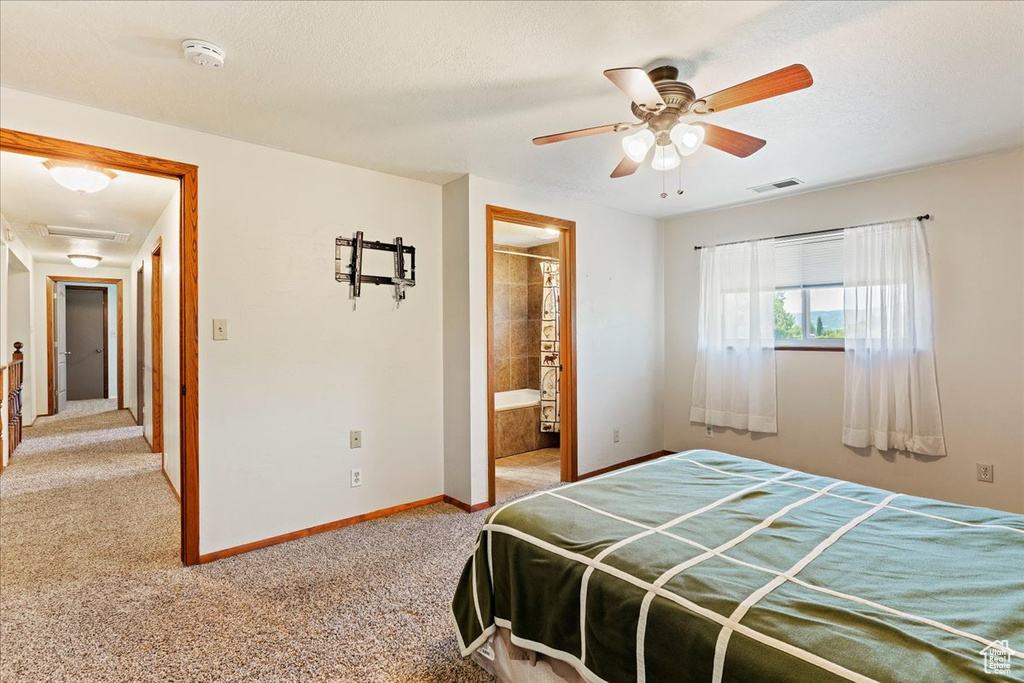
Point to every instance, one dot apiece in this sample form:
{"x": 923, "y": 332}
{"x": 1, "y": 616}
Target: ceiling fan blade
{"x": 793, "y": 77}
{"x": 638, "y": 87}
{"x": 582, "y": 132}
{"x": 626, "y": 167}
{"x": 731, "y": 141}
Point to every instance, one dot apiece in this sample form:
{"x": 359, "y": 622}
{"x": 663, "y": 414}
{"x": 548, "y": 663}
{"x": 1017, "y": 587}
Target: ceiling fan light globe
{"x": 638, "y": 144}
{"x": 687, "y": 138}
{"x": 665, "y": 158}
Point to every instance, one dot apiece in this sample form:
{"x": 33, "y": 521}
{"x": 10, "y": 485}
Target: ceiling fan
{"x": 660, "y": 101}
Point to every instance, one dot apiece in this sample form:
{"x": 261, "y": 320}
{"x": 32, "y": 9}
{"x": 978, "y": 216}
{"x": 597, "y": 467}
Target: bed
{"x": 703, "y": 566}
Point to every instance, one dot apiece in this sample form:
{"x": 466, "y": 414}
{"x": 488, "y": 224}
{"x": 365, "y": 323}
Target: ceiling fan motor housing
{"x": 678, "y": 96}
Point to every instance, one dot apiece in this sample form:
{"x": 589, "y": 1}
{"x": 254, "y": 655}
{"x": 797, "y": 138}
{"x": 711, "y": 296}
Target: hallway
{"x": 83, "y": 504}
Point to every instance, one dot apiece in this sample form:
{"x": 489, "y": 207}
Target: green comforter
{"x": 704, "y": 566}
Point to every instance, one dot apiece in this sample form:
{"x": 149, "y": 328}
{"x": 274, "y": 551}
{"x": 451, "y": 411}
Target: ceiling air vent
{"x": 777, "y": 185}
{"x": 80, "y": 233}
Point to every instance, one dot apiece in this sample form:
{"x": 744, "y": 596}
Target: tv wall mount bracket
{"x": 352, "y": 270}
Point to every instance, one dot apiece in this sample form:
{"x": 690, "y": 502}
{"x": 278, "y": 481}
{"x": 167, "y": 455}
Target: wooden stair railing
{"x": 15, "y": 372}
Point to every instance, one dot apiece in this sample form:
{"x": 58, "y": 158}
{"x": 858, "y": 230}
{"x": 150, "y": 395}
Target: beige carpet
{"x": 91, "y": 588}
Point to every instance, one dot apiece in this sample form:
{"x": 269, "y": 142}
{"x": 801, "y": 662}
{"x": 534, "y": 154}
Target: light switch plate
{"x": 220, "y": 329}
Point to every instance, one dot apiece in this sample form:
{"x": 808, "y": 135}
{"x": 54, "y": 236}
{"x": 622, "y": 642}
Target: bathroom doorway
{"x": 531, "y": 360}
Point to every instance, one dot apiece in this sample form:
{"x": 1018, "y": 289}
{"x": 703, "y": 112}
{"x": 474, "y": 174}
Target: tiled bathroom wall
{"x": 517, "y": 303}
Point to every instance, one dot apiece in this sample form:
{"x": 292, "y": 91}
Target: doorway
{"x": 85, "y": 339}
{"x": 66, "y": 348}
{"x": 187, "y": 177}
{"x": 531, "y": 337}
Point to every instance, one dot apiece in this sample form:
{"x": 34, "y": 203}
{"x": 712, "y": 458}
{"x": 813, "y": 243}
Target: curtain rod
{"x": 519, "y": 253}
{"x": 925, "y": 217}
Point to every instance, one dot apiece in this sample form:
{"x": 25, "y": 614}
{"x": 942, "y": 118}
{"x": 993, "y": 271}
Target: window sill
{"x": 834, "y": 349}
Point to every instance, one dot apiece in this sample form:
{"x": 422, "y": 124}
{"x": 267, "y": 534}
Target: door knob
{"x": 67, "y": 353}
{"x": 99, "y": 350}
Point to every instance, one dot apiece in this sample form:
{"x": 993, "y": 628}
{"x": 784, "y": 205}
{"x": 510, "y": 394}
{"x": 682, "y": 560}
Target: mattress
{"x": 704, "y": 566}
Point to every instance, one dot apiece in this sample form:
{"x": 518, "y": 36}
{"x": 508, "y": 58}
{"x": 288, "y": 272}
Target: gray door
{"x": 86, "y": 325}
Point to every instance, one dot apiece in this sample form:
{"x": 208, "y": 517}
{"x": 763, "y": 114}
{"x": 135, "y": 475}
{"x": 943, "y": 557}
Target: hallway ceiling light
{"x": 551, "y": 231}
{"x": 79, "y": 177}
{"x": 85, "y": 260}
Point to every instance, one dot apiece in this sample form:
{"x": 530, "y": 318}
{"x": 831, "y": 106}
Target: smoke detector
{"x": 203, "y": 54}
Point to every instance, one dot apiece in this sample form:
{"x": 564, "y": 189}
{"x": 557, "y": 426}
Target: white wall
{"x": 166, "y": 230}
{"x": 976, "y": 243}
{"x": 57, "y": 271}
{"x": 15, "y": 259}
{"x": 301, "y": 367}
{"x": 619, "y": 304}
{"x": 19, "y": 319}
{"x": 455, "y": 250}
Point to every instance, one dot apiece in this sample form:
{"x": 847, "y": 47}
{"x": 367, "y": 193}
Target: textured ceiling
{"x": 436, "y": 90}
{"x": 131, "y": 204}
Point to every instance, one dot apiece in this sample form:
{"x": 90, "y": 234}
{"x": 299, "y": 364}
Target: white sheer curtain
{"x": 891, "y": 395}
{"x": 734, "y": 381}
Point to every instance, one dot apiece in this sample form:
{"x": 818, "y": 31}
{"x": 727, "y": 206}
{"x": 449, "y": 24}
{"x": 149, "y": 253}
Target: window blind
{"x": 809, "y": 261}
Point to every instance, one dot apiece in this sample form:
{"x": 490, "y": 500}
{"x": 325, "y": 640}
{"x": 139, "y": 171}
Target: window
{"x": 809, "y": 291}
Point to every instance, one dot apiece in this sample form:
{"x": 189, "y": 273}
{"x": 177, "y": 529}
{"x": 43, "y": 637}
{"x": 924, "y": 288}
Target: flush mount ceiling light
{"x": 551, "y": 231}
{"x": 203, "y": 54}
{"x": 79, "y": 177}
{"x": 660, "y": 101}
{"x": 85, "y": 260}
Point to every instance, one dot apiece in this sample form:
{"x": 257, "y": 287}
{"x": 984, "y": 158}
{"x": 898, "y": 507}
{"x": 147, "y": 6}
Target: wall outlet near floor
{"x": 355, "y": 438}
{"x": 709, "y": 431}
{"x": 986, "y": 473}
{"x": 357, "y": 477}
{"x": 615, "y": 436}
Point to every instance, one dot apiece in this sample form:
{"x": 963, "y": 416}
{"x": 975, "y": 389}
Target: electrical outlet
{"x": 986, "y": 473}
{"x": 709, "y": 431}
{"x": 355, "y": 438}
{"x": 357, "y": 478}
{"x": 220, "y": 329}
{"x": 615, "y": 436}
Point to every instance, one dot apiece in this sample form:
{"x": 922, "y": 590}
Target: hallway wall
{"x": 166, "y": 229}
{"x": 17, "y": 320}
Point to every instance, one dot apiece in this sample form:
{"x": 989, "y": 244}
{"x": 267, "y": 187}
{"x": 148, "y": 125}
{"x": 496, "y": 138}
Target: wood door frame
{"x": 51, "y": 380}
{"x": 156, "y": 315}
{"x": 567, "y": 342}
{"x": 187, "y": 176}
{"x": 106, "y": 337}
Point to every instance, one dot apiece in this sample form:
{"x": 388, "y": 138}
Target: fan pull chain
{"x": 663, "y": 173}
{"x": 680, "y": 190}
